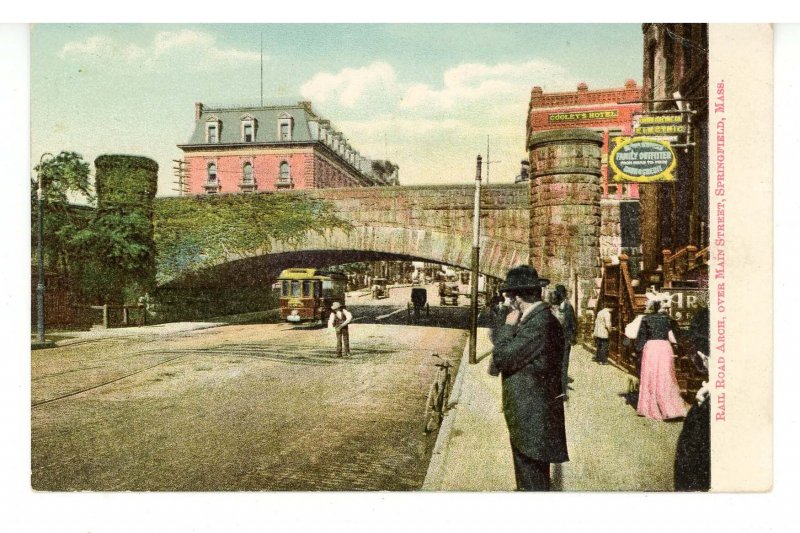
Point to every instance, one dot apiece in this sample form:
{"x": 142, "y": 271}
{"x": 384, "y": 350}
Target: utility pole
{"x": 262, "y": 69}
{"x": 488, "y": 160}
{"x": 476, "y": 234}
{"x": 40, "y": 253}
{"x": 179, "y": 170}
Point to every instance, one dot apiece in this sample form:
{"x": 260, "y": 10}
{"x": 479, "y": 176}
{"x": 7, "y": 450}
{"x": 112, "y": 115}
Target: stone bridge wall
{"x": 427, "y": 223}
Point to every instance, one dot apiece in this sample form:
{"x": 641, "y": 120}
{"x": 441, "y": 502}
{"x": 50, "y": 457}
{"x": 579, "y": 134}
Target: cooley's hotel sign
{"x": 642, "y": 159}
{"x": 582, "y": 115}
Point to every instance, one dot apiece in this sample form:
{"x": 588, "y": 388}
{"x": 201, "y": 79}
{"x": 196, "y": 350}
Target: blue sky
{"x": 424, "y": 95}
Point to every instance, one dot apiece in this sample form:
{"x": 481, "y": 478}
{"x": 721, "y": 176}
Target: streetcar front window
{"x": 295, "y": 289}
{"x": 284, "y": 288}
{"x": 307, "y": 288}
{"x": 317, "y": 289}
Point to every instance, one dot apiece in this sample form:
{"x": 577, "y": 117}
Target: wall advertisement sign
{"x": 661, "y": 125}
{"x": 672, "y": 129}
{"x": 578, "y": 116}
{"x": 642, "y": 160}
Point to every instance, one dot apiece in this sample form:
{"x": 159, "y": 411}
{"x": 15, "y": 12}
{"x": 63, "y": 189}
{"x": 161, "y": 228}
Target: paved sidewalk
{"x": 472, "y": 452}
{"x": 170, "y": 328}
{"x": 610, "y": 447}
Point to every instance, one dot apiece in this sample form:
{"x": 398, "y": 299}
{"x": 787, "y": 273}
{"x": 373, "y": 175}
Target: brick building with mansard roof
{"x": 248, "y": 149}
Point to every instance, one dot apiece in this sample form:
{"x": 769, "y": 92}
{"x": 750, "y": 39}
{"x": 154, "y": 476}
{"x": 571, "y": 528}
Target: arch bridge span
{"x": 420, "y": 223}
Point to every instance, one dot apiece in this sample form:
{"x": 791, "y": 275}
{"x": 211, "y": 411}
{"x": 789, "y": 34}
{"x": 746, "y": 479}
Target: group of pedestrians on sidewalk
{"x": 654, "y": 336}
{"x": 532, "y": 343}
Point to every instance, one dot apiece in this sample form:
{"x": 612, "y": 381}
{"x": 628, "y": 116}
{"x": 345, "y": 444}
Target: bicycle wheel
{"x": 431, "y": 412}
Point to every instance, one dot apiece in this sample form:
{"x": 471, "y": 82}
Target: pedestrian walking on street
{"x": 565, "y": 314}
{"x": 602, "y": 328}
{"x": 528, "y": 354}
{"x": 338, "y": 321}
{"x": 659, "y": 394}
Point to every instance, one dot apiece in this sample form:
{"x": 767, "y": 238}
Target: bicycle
{"x": 438, "y": 395}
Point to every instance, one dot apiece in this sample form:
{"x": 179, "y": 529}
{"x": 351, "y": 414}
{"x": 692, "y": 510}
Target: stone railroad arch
{"x": 417, "y": 244}
{"x": 422, "y": 223}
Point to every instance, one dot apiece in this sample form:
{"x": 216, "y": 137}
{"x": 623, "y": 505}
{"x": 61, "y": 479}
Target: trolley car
{"x": 307, "y": 293}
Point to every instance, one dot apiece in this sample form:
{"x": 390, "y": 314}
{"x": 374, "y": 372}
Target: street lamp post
{"x": 476, "y": 234}
{"x": 40, "y": 253}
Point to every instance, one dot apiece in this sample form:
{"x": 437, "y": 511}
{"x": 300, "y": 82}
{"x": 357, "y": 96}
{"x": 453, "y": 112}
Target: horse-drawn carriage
{"x": 419, "y": 301}
{"x": 449, "y": 292}
{"x": 379, "y": 288}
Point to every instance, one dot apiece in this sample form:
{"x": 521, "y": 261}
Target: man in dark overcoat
{"x": 565, "y": 314}
{"x": 528, "y": 353}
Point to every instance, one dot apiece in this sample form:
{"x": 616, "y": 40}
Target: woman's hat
{"x": 665, "y": 300}
{"x": 523, "y": 277}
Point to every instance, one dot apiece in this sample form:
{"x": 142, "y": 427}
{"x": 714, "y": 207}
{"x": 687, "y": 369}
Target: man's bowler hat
{"x": 523, "y": 277}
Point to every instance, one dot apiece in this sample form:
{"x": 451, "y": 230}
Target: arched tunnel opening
{"x": 244, "y": 290}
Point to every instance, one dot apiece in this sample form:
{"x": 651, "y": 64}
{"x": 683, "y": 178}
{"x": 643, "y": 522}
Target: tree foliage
{"x": 384, "y": 169}
{"x": 106, "y": 253}
{"x": 65, "y": 179}
{"x": 192, "y": 233}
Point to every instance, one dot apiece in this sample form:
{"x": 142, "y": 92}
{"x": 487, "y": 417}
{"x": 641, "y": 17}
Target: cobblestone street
{"x": 246, "y": 407}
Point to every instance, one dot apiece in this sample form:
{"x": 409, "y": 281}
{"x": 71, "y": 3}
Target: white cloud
{"x": 351, "y": 86}
{"x": 400, "y": 126}
{"x": 435, "y": 133}
{"x": 468, "y": 83}
{"x": 201, "y": 47}
{"x": 98, "y": 45}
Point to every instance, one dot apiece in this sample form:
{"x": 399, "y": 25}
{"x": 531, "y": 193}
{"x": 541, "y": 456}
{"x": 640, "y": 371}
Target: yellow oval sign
{"x": 642, "y": 160}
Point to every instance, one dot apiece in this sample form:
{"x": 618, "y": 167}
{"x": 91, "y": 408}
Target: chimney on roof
{"x": 582, "y": 87}
{"x": 536, "y": 91}
{"x": 306, "y": 104}
{"x": 198, "y": 111}
{"x": 630, "y": 84}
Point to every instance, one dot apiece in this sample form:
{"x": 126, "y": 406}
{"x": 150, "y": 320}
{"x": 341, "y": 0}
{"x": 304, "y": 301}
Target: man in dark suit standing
{"x": 528, "y": 353}
{"x": 565, "y": 314}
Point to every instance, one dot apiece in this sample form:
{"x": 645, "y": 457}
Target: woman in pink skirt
{"x": 659, "y": 394}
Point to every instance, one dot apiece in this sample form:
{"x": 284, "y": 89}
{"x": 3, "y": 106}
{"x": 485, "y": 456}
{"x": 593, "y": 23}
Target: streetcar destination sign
{"x": 642, "y": 159}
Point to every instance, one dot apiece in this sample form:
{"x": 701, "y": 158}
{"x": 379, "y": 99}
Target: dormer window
{"x": 248, "y": 129}
{"x": 285, "y": 127}
{"x": 213, "y": 128}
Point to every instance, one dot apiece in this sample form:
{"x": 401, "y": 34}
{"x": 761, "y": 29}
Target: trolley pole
{"x": 476, "y": 234}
